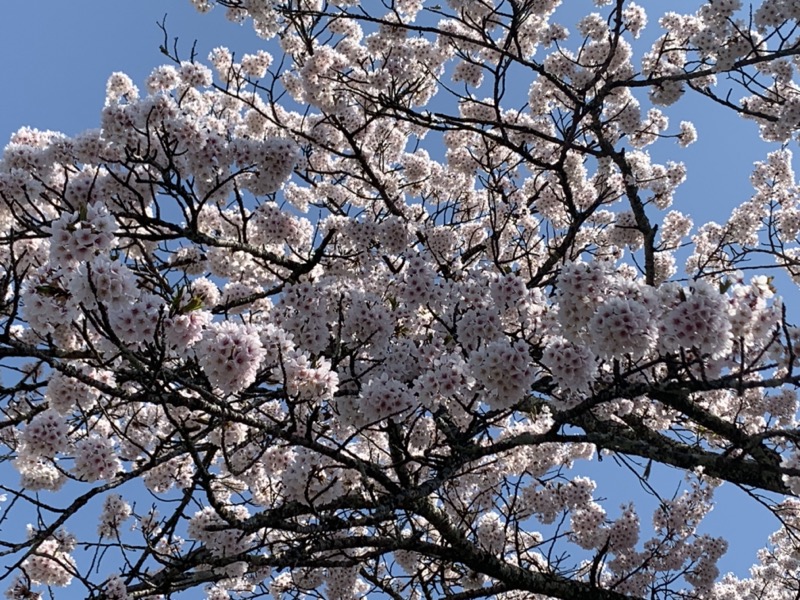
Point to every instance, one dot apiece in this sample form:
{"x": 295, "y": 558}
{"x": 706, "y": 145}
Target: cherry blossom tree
{"x": 354, "y": 315}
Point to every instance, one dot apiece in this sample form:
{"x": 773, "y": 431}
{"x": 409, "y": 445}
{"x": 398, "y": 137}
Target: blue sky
{"x": 58, "y": 55}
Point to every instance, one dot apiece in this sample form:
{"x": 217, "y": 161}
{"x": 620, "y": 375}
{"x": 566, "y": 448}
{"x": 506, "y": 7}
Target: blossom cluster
{"x": 230, "y": 355}
{"x": 52, "y": 563}
{"x": 208, "y": 527}
{"x": 79, "y": 236}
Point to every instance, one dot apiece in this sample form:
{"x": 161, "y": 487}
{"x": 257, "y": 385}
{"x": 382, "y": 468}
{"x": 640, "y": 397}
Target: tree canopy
{"x": 356, "y": 314}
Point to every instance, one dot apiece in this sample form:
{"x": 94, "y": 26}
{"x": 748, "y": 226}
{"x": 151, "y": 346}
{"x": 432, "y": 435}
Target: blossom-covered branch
{"x": 358, "y": 313}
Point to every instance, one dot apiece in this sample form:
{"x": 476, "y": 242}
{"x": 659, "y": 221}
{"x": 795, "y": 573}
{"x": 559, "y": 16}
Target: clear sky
{"x": 56, "y": 57}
